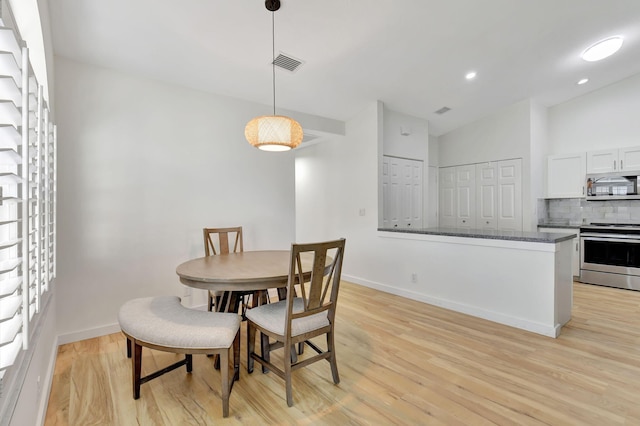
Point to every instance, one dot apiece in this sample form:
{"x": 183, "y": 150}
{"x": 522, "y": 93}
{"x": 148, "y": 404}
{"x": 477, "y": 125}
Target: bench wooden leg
{"x": 189, "y": 362}
{"x": 136, "y": 367}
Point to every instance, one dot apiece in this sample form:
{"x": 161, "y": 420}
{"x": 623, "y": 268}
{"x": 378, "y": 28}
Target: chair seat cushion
{"x": 272, "y": 317}
{"x": 163, "y": 321}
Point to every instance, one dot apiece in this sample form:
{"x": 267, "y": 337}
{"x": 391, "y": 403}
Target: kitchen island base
{"x": 524, "y": 284}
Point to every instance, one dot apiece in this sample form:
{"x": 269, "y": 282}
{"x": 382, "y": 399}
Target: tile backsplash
{"x": 576, "y": 211}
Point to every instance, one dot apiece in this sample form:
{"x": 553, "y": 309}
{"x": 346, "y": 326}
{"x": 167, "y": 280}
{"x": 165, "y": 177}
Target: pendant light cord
{"x": 273, "y": 58}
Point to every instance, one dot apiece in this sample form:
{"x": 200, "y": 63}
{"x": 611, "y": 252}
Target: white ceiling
{"x": 410, "y": 54}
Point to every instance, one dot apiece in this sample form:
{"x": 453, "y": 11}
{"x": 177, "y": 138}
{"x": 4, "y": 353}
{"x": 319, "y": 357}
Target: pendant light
{"x": 273, "y": 132}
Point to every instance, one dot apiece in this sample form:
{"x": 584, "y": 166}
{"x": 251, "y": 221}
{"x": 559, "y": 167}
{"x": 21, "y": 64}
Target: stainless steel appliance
{"x": 612, "y": 186}
{"x": 610, "y": 254}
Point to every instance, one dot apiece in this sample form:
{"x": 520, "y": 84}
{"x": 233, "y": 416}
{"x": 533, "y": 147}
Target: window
{"x": 27, "y": 210}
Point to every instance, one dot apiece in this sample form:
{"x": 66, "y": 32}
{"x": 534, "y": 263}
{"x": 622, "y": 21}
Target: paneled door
{"x": 432, "y": 193}
{"x": 411, "y": 198}
{"x": 447, "y": 199}
{"x": 487, "y": 199}
{"x": 402, "y": 189}
{"x": 510, "y": 195}
{"x": 390, "y": 193}
{"x": 466, "y": 196}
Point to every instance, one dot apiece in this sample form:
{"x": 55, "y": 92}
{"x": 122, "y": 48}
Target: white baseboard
{"x": 88, "y": 334}
{"x": 46, "y": 385}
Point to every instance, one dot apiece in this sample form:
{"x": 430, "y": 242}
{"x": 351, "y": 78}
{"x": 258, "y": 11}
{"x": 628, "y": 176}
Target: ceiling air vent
{"x": 443, "y": 110}
{"x": 287, "y": 62}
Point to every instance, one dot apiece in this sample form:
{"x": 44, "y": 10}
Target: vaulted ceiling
{"x": 410, "y": 54}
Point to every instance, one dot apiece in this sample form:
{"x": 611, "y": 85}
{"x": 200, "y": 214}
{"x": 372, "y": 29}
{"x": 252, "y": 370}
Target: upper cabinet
{"x": 613, "y": 160}
{"x": 566, "y": 175}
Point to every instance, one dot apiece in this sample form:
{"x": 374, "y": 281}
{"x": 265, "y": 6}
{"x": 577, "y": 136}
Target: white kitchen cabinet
{"x": 402, "y": 192}
{"x": 575, "y": 253}
{"x": 614, "y": 160}
{"x": 602, "y": 161}
{"x": 566, "y": 175}
{"x": 629, "y": 158}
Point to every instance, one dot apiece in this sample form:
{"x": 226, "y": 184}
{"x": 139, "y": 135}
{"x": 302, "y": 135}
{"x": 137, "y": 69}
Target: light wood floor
{"x": 400, "y": 362}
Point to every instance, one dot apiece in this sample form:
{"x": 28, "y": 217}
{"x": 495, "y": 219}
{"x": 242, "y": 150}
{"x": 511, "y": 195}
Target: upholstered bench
{"x": 163, "y": 324}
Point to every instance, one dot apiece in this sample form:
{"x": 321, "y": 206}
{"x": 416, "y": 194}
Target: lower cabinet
{"x": 575, "y": 260}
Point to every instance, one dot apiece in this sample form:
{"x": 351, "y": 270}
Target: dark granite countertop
{"x": 558, "y": 225}
{"x": 534, "y": 237}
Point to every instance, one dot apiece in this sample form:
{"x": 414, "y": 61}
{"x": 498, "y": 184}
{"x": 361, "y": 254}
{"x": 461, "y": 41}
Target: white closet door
{"x": 393, "y": 192}
{"x": 412, "y": 193}
{"x": 510, "y": 195}
{"x": 487, "y": 197}
{"x": 447, "y": 199}
{"x": 402, "y": 190}
{"x": 385, "y": 192}
{"x": 466, "y": 196}
{"x": 432, "y": 193}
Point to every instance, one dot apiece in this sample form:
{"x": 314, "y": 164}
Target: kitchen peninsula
{"x": 520, "y": 279}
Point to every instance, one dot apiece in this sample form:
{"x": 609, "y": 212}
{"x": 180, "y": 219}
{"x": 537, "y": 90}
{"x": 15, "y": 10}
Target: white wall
{"x": 434, "y": 151}
{"x": 504, "y": 135}
{"x": 335, "y": 179}
{"x": 539, "y": 148}
{"x": 500, "y": 136}
{"x": 143, "y": 167}
{"x": 415, "y": 145}
{"x": 606, "y": 118}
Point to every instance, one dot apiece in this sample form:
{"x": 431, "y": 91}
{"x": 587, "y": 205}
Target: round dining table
{"x": 243, "y": 271}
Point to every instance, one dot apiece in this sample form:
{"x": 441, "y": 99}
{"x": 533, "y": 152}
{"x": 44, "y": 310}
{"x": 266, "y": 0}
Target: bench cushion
{"x": 163, "y": 321}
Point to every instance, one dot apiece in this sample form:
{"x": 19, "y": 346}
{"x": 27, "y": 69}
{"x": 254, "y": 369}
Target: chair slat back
{"x": 222, "y": 242}
{"x": 323, "y": 281}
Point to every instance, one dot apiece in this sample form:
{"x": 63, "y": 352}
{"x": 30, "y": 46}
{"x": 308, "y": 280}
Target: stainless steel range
{"x": 610, "y": 254}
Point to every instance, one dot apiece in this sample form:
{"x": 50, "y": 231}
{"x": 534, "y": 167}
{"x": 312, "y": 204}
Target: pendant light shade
{"x": 273, "y": 132}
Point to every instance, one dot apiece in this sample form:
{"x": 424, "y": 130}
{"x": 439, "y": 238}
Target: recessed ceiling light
{"x": 470, "y": 75}
{"x": 583, "y": 80}
{"x": 602, "y": 49}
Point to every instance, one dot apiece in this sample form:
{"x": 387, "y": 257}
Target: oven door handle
{"x": 611, "y": 237}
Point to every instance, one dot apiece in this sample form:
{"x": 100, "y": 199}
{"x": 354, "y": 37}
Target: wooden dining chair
{"x": 218, "y": 241}
{"x": 304, "y": 314}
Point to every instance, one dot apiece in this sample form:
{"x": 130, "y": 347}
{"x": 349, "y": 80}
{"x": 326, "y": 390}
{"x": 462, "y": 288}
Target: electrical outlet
{"x": 414, "y": 278}
{"x": 38, "y": 386}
